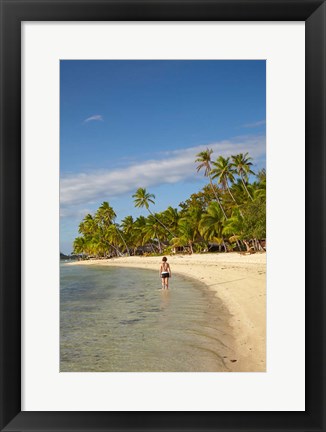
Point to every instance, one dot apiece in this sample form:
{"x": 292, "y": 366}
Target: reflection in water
{"x": 117, "y": 319}
{"x": 165, "y": 297}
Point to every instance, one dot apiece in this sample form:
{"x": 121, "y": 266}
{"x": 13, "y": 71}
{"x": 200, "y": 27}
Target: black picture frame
{"x": 13, "y": 13}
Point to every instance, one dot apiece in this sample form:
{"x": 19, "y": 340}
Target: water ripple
{"x": 116, "y": 319}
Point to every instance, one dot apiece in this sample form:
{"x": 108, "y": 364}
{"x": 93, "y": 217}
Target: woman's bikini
{"x": 165, "y": 272}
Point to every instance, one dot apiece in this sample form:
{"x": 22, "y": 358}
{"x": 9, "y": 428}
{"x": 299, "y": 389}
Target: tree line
{"x": 229, "y": 213}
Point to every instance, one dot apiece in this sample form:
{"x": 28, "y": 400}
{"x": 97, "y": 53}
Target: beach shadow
{"x": 222, "y": 283}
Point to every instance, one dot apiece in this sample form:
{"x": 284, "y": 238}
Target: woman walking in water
{"x": 165, "y": 273}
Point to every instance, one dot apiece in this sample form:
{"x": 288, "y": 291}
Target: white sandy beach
{"x": 239, "y": 281}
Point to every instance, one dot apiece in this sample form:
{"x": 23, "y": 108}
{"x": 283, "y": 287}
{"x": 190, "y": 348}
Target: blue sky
{"x": 130, "y": 124}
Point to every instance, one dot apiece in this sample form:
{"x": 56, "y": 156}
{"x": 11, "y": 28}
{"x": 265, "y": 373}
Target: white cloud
{"x": 255, "y": 124}
{"x": 74, "y": 212}
{"x": 88, "y": 188}
{"x": 96, "y": 117}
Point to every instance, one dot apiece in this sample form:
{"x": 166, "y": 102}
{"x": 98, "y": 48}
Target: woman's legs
{"x": 165, "y": 282}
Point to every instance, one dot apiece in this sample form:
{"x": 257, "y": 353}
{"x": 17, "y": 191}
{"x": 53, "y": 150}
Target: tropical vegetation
{"x": 228, "y": 214}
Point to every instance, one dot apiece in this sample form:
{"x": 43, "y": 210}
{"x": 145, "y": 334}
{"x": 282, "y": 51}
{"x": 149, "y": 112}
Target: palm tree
{"x": 127, "y": 224}
{"x": 260, "y": 193}
{"x": 204, "y": 159}
{"x": 171, "y": 218}
{"x": 188, "y": 228}
{"x": 117, "y": 228}
{"x": 105, "y": 215}
{"x": 260, "y": 186}
{"x": 137, "y": 232}
{"x": 211, "y": 224}
{"x": 79, "y": 245}
{"x": 235, "y": 224}
{"x": 97, "y": 244}
{"x": 113, "y": 238}
{"x": 223, "y": 171}
{"x": 142, "y": 199}
{"x": 152, "y": 231}
{"x": 261, "y": 176}
{"x": 88, "y": 225}
{"x": 193, "y": 216}
{"x": 201, "y": 219}
{"x": 242, "y": 164}
{"x": 239, "y": 192}
{"x": 186, "y": 234}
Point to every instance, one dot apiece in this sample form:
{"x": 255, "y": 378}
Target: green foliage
{"x": 211, "y": 223}
{"x": 142, "y": 198}
{"x": 200, "y": 200}
{"x": 231, "y": 210}
{"x": 254, "y": 220}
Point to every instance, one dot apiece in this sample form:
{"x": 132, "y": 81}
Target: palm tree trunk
{"x": 227, "y": 185}
{"x": 123, "y": 241}
{"x": 238, "y": 244}
{"x": 262, "y": 247}
{"x": 217, "y": 197}
{"x": 246, "y": 187}
{"x": 116, "y": 249}
{"x": 247, "y": 245}
{"x": 161, "y": 223}
{"x": 159, "y": 245}
{"x": 191, "y": 249}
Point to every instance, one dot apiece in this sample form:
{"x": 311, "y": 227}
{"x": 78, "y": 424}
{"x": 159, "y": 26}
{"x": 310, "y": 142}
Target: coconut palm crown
{"x": 224, "y": 172}
{"x": 242, "y": 164}
{"x": 143, "y": 198}
{"x": 204, "y": 159}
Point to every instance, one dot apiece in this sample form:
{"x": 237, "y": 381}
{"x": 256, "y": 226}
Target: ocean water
{"x": 115, "y": 319}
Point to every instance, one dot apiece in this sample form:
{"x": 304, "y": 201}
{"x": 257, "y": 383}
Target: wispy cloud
{"x": 97, "y": 117}
{"x": 74, "y": 212}
{"x": 255, "y": 124}
{"x": 84, "y": 189}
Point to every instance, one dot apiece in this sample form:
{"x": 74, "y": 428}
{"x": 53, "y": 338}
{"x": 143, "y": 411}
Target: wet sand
{"x": 238, "y": 280}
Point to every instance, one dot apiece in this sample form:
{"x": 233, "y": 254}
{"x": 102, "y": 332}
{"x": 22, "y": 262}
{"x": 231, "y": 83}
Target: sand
{"x": 240, "y": 283}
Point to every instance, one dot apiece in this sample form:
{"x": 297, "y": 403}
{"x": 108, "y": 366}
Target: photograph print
{"x": 163, "y": 216}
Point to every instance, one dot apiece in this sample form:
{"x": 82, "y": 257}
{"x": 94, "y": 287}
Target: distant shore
{"x": 238, "y": 280}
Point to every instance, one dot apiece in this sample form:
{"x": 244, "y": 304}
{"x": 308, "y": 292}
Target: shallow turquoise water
{"x": 118, "y": 319}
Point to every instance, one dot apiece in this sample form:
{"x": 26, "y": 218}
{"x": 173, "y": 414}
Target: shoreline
{"x": 238, "y": 281}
